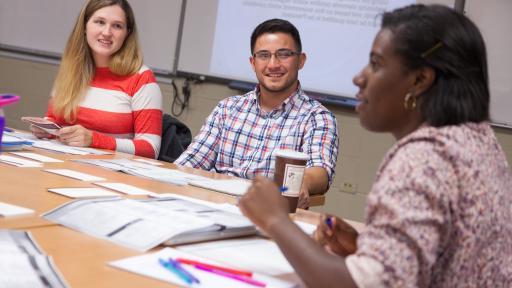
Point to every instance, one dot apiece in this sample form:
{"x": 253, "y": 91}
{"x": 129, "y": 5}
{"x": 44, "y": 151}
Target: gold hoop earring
{"x": 408, "y": 104}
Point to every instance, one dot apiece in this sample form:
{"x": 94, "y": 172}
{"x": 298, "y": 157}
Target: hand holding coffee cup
{"x": 288, "y": 174}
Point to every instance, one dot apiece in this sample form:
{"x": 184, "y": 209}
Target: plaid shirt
{"x": 239, "y": 137}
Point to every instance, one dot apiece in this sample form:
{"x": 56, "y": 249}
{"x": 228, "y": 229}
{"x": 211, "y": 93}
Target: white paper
{"x": 236, "y": 187}
{"x": 75, "y": 174}
{"x": 139, "y": 168}
{"x": 148, "y": 162}
{"x": 306, "y": 227}
{"x": 19, "y": 162}
{"x": 254, "y": 254}
{"x": 93, "y": 151}
{"x": 7, "y": 210}
{"x": 20, "y": 136}
{"x": 83, "y": 192}
{"x": 148, "y": 265}
{"x": 37, "y": 157}
{"x": 57, "y": 146}
{"x": 125, "y": 188}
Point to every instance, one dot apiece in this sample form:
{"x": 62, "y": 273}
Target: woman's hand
{"x": 75, "y": 135}
{"x": 338, "y": 238}
{"x": 263, "y": 204}
{"x": 39, "y": 133}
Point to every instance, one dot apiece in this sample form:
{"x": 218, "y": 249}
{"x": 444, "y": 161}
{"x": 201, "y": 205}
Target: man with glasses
{"x": 241, "y": 134}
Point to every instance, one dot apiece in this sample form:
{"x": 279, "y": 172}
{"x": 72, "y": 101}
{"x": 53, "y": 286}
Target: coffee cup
{"x": 288, "y": 174}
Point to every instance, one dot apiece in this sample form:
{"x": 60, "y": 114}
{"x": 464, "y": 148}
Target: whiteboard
{"x": 494, "y": 20}
{"x": 199, "y": 33}
{"x": 42, "y": 27}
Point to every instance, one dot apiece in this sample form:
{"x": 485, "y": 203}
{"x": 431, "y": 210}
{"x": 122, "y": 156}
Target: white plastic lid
{"x": 288, "y": 153}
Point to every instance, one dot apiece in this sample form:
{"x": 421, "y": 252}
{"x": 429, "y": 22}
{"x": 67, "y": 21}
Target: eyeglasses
{"x": 281, "y": 55}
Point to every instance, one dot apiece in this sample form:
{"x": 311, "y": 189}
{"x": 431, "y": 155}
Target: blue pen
{"x": 178, "y": 265}
{"x": 7, "y": 129}
{"x": 177, "y": 271}
{"x": 328, "y": 221}
{"x": 283, "y": 189}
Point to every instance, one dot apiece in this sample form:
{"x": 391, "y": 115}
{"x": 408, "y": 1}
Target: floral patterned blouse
{"x": 439, "y": 213}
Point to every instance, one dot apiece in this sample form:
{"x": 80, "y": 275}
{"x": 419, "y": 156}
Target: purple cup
{"x": 5, "y": 99}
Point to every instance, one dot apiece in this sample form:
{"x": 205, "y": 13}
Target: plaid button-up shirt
{"x": 239, "y": 137}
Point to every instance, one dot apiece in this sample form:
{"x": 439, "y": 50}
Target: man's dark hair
{"x": 276, "y": 26}
{"x": 438, "y": 37}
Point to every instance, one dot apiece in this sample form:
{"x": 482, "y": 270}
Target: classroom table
{"x": 81, "y": 258}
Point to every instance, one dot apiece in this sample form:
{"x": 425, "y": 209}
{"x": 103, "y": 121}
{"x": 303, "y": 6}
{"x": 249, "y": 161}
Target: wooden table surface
{"x": 81, "y": 258}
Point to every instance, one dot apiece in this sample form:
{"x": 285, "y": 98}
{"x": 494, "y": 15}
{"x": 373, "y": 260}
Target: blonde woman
{"x": 103, "y": 96}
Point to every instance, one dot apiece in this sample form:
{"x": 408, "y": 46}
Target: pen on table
{"x": 178, "y": 271}
{"x": 7, "y": 129}
{"x": 233, "y": 276}
{"x": 283, "y": 189}
{"x": 176, "y": 264}
{"x": 215, "y": 267}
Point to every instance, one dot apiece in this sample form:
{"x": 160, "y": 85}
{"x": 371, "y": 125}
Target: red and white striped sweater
{"x": 124, "y": 112}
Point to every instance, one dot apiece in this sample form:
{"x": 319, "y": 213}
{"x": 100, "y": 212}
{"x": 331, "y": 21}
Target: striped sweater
{"x": 123, "y": 112}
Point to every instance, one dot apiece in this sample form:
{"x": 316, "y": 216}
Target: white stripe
{"x": 125, "y": 145}
{"x": 107, "y": 100}
{"x": 149, "y": 96}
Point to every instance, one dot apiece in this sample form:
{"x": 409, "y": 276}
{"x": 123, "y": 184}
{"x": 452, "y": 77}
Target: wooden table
{"x": 81, "y": 258}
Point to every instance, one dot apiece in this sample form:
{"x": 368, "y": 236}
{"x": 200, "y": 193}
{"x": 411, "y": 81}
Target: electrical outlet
{"x": 348, "y": 187}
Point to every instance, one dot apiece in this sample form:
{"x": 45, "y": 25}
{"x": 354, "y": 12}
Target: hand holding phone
{"x": 43, "y": 124}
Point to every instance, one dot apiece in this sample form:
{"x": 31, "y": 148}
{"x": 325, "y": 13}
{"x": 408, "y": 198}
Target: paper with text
{"x": 134, "y": 224}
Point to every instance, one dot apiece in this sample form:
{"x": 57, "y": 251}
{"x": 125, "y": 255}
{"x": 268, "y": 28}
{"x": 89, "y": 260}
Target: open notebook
{"x": 144, "y": 224}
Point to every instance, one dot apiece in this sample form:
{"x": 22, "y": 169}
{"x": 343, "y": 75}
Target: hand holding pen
{"x": 336, "y": 235}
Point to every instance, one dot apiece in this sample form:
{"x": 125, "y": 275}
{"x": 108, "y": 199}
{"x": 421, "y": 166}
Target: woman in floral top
{"x": 440, "y": 211}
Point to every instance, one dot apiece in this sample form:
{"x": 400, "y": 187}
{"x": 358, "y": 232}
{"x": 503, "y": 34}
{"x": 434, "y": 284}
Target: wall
{"x": 360, "y": 150}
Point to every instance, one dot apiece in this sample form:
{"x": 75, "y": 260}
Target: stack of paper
{"x": 139, "y": 168}
{"x": 23, "y": 264}
{"x": 144, "y": 224}
{"x": 12, "y": 143}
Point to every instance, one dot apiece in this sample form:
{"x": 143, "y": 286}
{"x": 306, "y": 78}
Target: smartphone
{"x": 44, "y": 124}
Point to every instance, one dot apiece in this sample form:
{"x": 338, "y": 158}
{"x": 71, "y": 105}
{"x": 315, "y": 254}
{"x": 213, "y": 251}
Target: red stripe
{"x": 144, "y": 149}
{"x": 128, "y": 84}
{"x": 145, "y": 121}
{"x": 148, "y": 121}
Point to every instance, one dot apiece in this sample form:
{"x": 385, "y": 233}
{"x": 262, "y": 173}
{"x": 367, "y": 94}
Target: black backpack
{"x": 176, "y": 137}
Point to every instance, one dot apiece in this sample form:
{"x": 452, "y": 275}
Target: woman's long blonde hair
{"x": 77, "y": 67}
